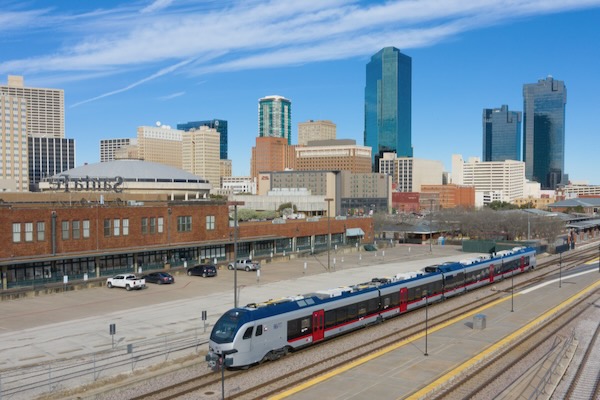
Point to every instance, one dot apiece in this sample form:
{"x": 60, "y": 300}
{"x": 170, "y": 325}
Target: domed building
{"x": 129, "y": 177}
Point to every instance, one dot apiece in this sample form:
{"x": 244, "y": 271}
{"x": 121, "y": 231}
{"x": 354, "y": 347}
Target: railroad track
{"x": 244, "y": 383}
{"x": 586, "y": 382}
{"x": 475, "y": 384}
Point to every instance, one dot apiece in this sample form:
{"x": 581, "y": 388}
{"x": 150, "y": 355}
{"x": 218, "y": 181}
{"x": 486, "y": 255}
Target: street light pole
{"x": 235, "y": 205}
{"x": 328, "y": 200}
{"x": 560, "y": 270}
{"x": 426, "y": 320}
{"x": 430, "y": 222}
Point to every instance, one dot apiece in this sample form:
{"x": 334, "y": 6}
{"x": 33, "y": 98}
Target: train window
{"x": 362, "y": 309}
{"x": 329, "y": 318}
{"x": 352, "y": 311}
{"x": 248, "y": 333}
{"x": 373, "y": 306}
{"x": 304, "y": 324}
{"x": 395, "y": 299}
{"x": 341, "y": 315}
{"x": 386, "y": 302}
{"x": 259, "y": 330}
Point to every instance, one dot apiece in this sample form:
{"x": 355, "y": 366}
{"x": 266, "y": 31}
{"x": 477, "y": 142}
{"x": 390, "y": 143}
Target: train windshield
{"x": 227, "y": 326}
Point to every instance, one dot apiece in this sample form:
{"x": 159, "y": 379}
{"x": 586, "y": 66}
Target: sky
{"x": 124, "y": 64}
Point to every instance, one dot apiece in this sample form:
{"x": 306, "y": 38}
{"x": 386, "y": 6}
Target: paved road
{"x": 45, "y": 328}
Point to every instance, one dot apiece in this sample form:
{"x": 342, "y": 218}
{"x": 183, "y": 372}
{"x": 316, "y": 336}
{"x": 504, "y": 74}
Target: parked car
{"x": 203, "y": 270}
{"x": 127, "y": 281}
{"x": 159, "y": 278}
{"x": 246, "y": 264}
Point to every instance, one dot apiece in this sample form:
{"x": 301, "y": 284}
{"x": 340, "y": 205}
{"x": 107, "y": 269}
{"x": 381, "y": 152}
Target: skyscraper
{"x": 501, "y": 134}
{"x": 388, "y": 104}
{"x": 544, "y": 132}
{"x": 45, "y": 107}
{"x": 315, "y": 130}
{"x": 275, "y": 117}
{"x": 220, "y": 125}
{"x": 14, "y": 161}
{"x": 49, "y": 156}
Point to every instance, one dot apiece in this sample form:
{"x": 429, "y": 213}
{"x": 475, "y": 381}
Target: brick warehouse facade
{"x": 44, "y": 242}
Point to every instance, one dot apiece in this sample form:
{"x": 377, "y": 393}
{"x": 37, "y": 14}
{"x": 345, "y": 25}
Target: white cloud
{"x": 171, "y": 96}
{"x": 233, "y": 35}
{"x": 156, "y": 5}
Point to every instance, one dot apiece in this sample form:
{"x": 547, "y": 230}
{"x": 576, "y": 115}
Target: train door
{"x": 492, "y": 273}
{"x": 522, "y": 264}
{"x": 318, "y": 325}
{"x": 403, "y": 299}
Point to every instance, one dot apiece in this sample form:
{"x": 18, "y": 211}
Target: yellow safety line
{"x": 467, "y": 364}
{"x": 381, "y": 352}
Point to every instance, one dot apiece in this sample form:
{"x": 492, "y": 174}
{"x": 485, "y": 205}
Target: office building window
{"x": 16, "y": 232}
{"x": 86, "y": 228}
{"x": 76, "y": 225}
{"x": 29, "y": 231}
{"x": 210, "y": 222}
{"x": 65, "y": 230}
{"x": 125, "y": 226}
{"x": 184, "y": 224}
{"x": 161, "y": 224}
{"x": 107, "y": 227}
{"x": 116, "y": 227}
{"x": 144, "y": 226}
{"x": 41, "y": 231}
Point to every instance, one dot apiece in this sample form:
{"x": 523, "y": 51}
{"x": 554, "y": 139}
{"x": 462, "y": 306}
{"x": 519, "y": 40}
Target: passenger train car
{"x": 266, "y": 331}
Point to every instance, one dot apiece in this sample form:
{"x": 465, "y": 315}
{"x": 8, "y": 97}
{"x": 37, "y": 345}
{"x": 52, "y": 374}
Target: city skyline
{"x": 132, "y": 64}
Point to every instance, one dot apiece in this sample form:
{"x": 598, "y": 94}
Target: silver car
{"x": 246, "y": 264}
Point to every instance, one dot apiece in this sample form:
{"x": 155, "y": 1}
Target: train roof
{"x": 291, "y": 303}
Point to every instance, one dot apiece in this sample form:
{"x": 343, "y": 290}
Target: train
{"x": 245, "y": 336}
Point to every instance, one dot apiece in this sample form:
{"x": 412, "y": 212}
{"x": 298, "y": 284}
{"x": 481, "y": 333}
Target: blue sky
{"x": 124, "y": 64}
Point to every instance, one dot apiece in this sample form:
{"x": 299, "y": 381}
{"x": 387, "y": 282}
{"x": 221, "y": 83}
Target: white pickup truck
{"x": 127, "y": 281}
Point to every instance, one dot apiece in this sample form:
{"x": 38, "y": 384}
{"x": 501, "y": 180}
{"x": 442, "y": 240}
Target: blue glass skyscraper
{"x": 544, "y": 132}
{"x": 501, "y": 134}
{"x": 388, "y": 104}
{"x": 219, "y": 125}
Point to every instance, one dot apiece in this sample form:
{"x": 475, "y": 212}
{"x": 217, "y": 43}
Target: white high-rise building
{"x": 14, "y": 161}
{"x": 408, "y": 173}
{"x": 45, "y": 107}
{"x": 493, "y": 180}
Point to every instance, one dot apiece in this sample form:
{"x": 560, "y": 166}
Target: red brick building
{"x": 46, "y": 241}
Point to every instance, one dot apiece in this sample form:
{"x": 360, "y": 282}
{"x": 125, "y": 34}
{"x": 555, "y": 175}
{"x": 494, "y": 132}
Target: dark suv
{"x": 203, "y": 270}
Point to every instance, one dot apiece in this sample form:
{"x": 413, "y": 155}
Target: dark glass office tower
{"x": 218, "y": 124}
{"x": 48, "y": 156}
{"x": 501, "y": 134}
{"x": 544, "y": 132}
{"x": 388, "y": 104}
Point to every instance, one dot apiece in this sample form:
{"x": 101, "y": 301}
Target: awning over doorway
{"x": 354, "y": 232}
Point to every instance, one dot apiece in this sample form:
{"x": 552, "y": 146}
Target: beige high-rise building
{"x": 113, "y": 149}
{"x": 160, "y": 144}
{"x": 45, "y": 107}
{"x": 201, "y": 154}
{"x": 14, "y": 161}
{"x": 315, "y": 130}
{"x": 334, "y": 155}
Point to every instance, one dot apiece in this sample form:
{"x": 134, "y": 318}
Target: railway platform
{"x": 415, "y": 368}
